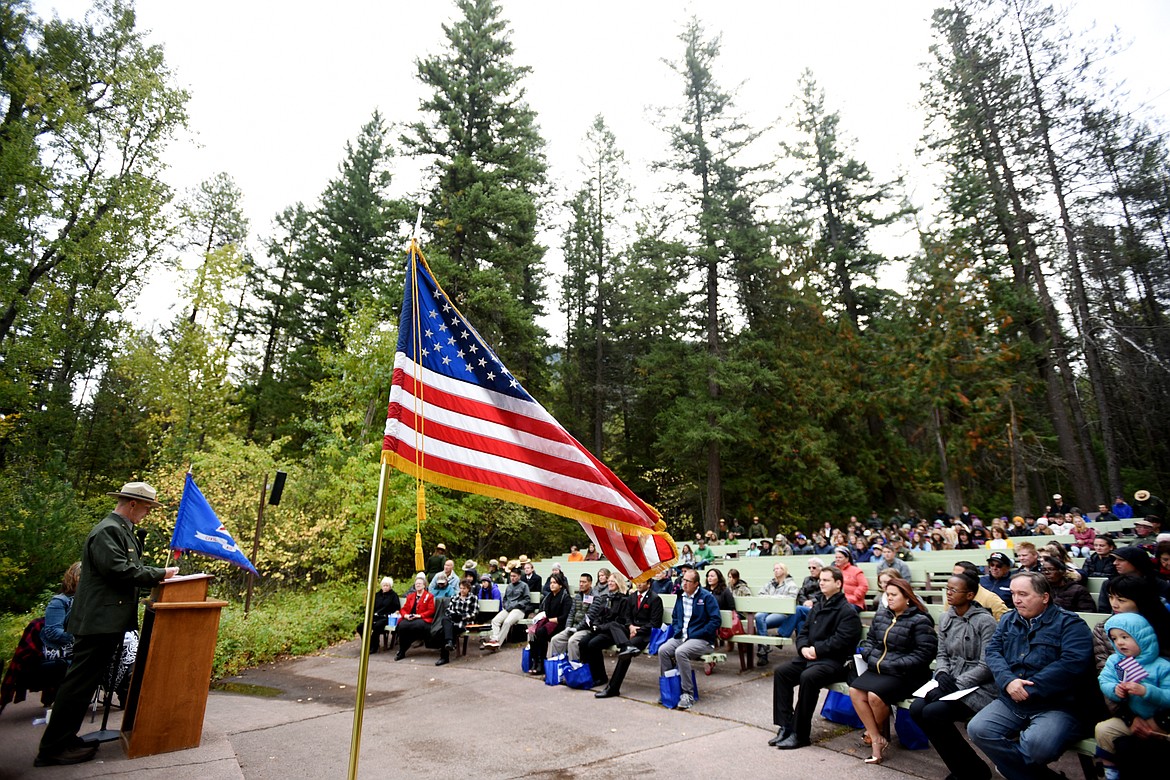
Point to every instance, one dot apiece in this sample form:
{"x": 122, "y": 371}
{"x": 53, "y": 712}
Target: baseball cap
{"x": 1143, "y": 521}
{"x": 1000, "y": 558}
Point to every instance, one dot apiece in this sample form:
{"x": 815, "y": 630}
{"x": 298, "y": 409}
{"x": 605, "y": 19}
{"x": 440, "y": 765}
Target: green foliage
{"x": 286, "y": 623}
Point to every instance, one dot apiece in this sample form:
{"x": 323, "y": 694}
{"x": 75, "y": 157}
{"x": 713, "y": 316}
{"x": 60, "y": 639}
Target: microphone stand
{"x": 107, "y": 734}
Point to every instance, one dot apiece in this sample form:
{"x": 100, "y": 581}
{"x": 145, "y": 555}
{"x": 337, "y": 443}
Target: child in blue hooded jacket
{"x": 1134, "y": 676}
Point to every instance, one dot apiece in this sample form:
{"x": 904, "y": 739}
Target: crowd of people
{"x": 1009, "y": 657}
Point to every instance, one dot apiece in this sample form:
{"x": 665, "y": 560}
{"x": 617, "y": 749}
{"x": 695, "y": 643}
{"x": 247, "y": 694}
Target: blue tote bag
{"x": 839, "y": 709}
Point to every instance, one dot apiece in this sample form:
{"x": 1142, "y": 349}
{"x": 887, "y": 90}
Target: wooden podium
{"x": 172, "y": 674}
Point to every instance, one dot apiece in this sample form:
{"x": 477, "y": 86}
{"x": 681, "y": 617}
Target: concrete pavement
{"x": 477, "y": 716}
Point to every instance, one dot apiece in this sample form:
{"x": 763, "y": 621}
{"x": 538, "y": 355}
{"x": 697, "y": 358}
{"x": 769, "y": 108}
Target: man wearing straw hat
{"x": 104, "y": 609}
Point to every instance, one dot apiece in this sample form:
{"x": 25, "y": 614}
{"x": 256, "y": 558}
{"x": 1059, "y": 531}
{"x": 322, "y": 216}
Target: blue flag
{"x": 197, "y": 529}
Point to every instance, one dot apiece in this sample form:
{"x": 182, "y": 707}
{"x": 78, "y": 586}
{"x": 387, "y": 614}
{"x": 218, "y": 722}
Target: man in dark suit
{"x": 104, "y": 609}
{"x": 645, "y": 615}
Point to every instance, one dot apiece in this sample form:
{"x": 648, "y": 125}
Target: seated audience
{"x": 999, "y": 539}
{"x": 800, "y": 545}
{"x": 1027, "y": 557}
{"x": 1135, "y": 678}
{"x": 1083, "y": 537}
{"x": 856, "y": 586}
{"x": 883, "y": 579}
{"x": 998, "y": 579}
{"x": 1129, "y": 593}
{"x": 487, "y": 589}
{"x": 963, "y": 634}
{"x": 782, "y": 584}
{"x": 551, "y": 618}
{"x": 1135, "y": 560}
{"x": 898, "y": 649}
{"x": 591, "y": 553}
{"x": 662, "y": 583}
{"x": 582, "y": 600}
{"x": 695, "y": 620}
{"x": 1067, "y": 594}
{"x": 553, "y": 571}
{"x": 645, "y": 612}
{"x": 575, "y": 554}
{"x": 448, "y": 572}
{"x": 889, "y": 560}
{"x": 386, "y": 603}
{"x": 461, "y": 610}
{"x": 516, "y": 603}
{"x": 1041, "y": 657}
{"x": 529, "y": 576}
{"x": 609, "y": 628}
{"x": 825, "y": 643}
{"x": 418, "y": 612}
{"x": 442, "y": 588}
{"x": 983, "y": 597}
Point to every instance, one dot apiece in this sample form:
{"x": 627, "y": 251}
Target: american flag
{"x": 459, "y": 418}
{"x": 1131, "y": 670}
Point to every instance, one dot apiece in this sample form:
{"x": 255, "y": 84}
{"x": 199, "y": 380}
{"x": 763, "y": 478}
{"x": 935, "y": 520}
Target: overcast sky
{"x": 278, "y": 88}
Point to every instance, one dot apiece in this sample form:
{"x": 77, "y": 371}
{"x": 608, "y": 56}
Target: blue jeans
{"x": 785, "y": 625}
{"x": 1042, "y": 737}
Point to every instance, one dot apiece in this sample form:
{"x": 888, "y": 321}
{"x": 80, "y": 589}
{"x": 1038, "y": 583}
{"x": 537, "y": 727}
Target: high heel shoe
{"x": 881, "y": 752}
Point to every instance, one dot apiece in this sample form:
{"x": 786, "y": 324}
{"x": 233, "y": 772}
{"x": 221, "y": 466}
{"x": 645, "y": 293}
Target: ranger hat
{"x": 138, "y": 491}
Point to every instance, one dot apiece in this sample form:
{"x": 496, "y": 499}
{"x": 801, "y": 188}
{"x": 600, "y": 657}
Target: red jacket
{"x": 423, "y": 604}
{"x": 856, "y": 585}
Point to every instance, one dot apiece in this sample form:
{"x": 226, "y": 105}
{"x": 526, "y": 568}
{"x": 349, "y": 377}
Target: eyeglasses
{"x": 1049, "y": 569}
{"x": 957, "y": 590}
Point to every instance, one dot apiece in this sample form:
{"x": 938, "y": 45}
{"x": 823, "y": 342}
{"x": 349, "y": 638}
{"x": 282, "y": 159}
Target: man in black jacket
{"x": 826, "y": 641}
{"x": 645, "y": 615}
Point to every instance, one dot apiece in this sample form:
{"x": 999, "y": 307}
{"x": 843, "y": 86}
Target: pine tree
{"x": 488, "y": 177}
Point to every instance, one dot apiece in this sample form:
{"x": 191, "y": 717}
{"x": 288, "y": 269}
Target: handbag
{"x": 910, "y": 734}
{"x": 736, "y": 628}
{"x": 838, "y": 708}
{"x": 669, "y": 689}
{"x": 578, "y": 675}
{"x": 658, "y": 637}
{"x": 554, "y": 670}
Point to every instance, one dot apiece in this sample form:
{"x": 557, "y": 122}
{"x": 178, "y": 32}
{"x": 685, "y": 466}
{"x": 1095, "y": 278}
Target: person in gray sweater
{"x": 963, "y": 634}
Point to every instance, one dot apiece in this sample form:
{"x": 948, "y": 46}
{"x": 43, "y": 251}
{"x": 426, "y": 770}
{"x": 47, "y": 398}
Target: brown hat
{"x": 440, "y": 546}
{"x": 524, "y": 560}
{"x": 138, "y": 491}
{"x": 470, "y": 566}
{"x": 1141, "y": 495}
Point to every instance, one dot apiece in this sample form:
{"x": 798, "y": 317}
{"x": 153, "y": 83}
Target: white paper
{"x": 927, "y": 688}
{"x": 958, "y": 694}
{"x": 859, "y": 664}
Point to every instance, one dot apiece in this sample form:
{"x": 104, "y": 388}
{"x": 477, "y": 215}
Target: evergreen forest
{"x": 730, "y": 347}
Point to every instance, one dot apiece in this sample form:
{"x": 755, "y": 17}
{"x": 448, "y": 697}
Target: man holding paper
{"x": 962, "y": 684}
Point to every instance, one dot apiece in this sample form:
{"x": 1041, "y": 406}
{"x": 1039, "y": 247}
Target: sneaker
{"x": 685, "y": 702}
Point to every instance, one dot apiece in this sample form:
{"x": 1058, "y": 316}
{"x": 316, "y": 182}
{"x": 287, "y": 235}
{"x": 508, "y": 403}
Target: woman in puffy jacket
{"x": 898, "y": 650}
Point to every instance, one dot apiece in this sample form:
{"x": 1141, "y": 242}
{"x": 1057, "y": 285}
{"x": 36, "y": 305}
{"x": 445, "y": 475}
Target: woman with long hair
{"x": 898, "y": 650}
{"x": 553, "y": 617}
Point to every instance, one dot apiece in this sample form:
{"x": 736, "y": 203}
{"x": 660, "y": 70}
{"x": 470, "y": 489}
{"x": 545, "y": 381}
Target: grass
{"x": 283, "y": 624}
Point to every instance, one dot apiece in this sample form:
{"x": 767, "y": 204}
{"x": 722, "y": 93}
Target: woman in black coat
{"x": 386, "y": 603}
{"x": 556, "y": 606}
{"x": 614, "y": 620}
{"x": 898, "y": 649}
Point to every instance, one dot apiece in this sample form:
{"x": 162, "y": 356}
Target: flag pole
{"x": 364, "y": 662}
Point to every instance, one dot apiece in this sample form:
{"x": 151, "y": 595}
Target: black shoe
{"x": 606, "y": 694}
{"x": 629, "y": 650}
{"x": 442, "y": 661}
{"x": 399, "y": 656}
{"x": 761, "y": 659}
{"x": 449, "y": 646}
{"x": 600, "y": 683}
{"x": 74, "y": 755}
{"x": 781, "y": 734}
{"x": 791, "y": 743}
